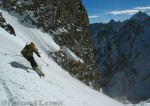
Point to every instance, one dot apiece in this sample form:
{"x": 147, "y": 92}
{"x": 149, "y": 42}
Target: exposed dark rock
{"x": 6, "y": 25}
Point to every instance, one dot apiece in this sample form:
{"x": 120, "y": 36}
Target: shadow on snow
{"x": 18, "y": 65}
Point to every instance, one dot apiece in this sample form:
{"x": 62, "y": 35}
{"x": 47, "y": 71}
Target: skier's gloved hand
{"x": 39, "y": 56}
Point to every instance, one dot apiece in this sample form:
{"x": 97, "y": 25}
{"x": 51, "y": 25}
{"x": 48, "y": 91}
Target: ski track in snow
{"x": 8, "y": 92}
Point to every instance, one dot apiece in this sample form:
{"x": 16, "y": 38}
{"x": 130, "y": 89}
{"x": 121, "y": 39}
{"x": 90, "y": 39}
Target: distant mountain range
{"x": 122, "y": 52}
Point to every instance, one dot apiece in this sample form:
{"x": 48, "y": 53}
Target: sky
{"x": 102, "y": 11}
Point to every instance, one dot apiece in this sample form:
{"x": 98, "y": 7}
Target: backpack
{"x": 25, "y": 50}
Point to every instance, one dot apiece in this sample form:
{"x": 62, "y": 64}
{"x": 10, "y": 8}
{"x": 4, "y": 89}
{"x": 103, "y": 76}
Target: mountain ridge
{"x": 141, "y": 16}
{"x": 121, "y": 55}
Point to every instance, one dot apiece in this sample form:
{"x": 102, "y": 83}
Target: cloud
{"x": 94, "y": 16}
{"x": 130, "y": 11}
{"x": 143, "y": 8}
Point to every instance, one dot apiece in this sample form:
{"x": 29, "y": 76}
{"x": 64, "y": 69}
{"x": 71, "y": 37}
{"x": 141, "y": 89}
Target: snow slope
{"x": 20, "y": 85}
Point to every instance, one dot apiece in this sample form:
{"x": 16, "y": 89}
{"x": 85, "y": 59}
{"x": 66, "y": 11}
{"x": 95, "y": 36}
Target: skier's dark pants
{"x": 32, "y": 61}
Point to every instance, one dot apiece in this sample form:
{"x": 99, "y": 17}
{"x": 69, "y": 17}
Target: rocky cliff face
{"x": 122, "y": 55}
{"x": 70, "y": 19}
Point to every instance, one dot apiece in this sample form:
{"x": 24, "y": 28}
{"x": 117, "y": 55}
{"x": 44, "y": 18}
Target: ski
{"x": 39, "y": 72}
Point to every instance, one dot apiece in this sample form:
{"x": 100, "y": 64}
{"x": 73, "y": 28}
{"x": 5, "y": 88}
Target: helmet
{"x": 31, "y": 45}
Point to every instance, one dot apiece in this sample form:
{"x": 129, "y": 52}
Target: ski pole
{"x": 45, "y": 62}
{"x": 17, "y": 55}
{"x": 13, "y": 55}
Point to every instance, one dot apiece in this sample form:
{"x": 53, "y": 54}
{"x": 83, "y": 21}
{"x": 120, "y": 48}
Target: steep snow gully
{"x": 21, "y": 86}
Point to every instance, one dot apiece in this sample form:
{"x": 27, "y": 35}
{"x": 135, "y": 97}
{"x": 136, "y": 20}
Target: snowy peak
{"x": 140, "y": 16}
{"x": 112, "y": 21}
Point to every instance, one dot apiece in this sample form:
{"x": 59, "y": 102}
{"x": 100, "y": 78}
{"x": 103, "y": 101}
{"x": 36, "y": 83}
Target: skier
{"x": 27, "y": 52}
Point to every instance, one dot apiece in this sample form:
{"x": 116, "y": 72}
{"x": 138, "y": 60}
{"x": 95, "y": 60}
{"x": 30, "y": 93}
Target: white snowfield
{"x": 21, "y": 86}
